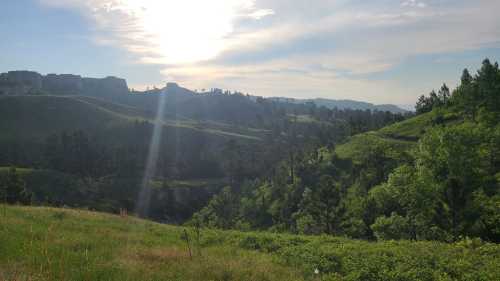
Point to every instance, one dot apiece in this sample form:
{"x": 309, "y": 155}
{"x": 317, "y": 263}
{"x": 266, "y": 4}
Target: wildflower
{"x": 316, "y": 271}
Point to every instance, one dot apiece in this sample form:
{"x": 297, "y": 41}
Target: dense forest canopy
{"x": 443, "y": 187}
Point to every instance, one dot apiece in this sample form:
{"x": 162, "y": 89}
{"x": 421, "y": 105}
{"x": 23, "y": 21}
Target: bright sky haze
{"x": 380, "y": 51}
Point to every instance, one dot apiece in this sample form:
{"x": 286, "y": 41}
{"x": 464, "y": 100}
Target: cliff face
{"x": 64, "y": 84}
{"x": 109, "y": 86}
{"x": 20, "y": 82}
{"x": 28, "y": 82}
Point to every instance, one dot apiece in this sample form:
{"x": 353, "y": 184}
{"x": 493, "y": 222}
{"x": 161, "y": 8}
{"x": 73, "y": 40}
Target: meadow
{"x": 40, "y": 243}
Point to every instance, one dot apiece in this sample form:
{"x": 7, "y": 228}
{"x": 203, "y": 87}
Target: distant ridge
{"x": 116, "y": 89}
{"x": 344, "y": 104}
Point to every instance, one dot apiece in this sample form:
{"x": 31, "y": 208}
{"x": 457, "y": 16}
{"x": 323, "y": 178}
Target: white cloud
{"x": 168, "y": 30}
{"x": 200, "y": 43}
{"x": 414, "y": 3}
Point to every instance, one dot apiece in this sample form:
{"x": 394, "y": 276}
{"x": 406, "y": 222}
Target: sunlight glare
{"x": 185, "y": 31}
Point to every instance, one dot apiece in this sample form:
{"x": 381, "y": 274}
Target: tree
{"x": 15, "y": 188}
{"x": 444, "y": 95}
{"x": 319, "y": 211}
{"x": 466, "y": 77}
{"x": 221, "y": 211}
{"x": 393, "y": 227}
{"x": 424, "y": 104}
{"x": 3, "y": 189}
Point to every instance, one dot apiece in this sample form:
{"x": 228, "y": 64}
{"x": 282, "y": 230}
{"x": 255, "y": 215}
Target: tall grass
{"x": 66, "y": 244}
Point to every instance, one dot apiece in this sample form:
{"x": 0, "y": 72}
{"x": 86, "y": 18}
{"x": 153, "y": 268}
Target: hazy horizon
{"x": 382, "y": 52}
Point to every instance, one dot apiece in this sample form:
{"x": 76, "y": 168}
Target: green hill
{"x": 396, "y": 139}
{"x": 430, "y": 177}
{"x": 28, "y": 117}
{"x": 65, "y": 244}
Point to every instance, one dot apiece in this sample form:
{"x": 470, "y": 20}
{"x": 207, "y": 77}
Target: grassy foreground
{"x": 63, "y": 244}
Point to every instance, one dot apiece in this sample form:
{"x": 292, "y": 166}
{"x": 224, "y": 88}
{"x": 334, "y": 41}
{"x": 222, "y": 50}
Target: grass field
{"x": 38, "y": 243}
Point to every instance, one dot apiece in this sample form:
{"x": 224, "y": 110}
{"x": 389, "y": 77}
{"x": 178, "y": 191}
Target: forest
{"x": 232, "y": 161}
{"x": 431, "y": 177}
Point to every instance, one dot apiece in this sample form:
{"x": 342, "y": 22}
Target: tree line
{"x": 103, "y": 169}
{"x": 445, "y": 188}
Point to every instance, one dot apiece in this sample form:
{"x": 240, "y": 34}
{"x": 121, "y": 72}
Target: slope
{"x": 67, "y": 244}
{"x": 36, "y": 117}
{"x": 397, "y": 139}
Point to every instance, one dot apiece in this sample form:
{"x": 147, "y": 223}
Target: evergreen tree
{"x": 466, "y": 77}
{"x": 444, "y": 95}
{"x": 3, "y": 189}
{"x": 16, "y": 188}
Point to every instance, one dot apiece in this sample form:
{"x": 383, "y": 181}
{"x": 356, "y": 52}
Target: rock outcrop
{"x": 29, "y": 82}
{"x": 20, "y": 82}
{"x": 105, "y": 87}
{"x": 63, "y": 84}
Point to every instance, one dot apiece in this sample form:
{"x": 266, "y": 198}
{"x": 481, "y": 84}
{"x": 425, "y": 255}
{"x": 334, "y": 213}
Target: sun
{"x": 181, "y": 32}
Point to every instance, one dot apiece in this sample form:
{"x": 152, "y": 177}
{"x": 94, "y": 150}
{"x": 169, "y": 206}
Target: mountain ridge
{"x": 24, "y": 82}
{"x": 344, "y": 104}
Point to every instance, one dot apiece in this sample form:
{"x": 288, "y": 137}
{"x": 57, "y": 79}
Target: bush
{"x": 391, "y": 228}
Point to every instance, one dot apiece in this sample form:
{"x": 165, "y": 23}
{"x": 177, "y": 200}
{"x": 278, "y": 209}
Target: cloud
{"x": 170, "y": 31}
{"x": 413, "y": 3}
{"x": 297, "y": 48}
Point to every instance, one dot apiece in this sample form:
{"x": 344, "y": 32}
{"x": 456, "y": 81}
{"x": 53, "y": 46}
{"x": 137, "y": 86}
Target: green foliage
{"x": 427, "y": 104}
{"x": 393, "y": 227}
{"x": 13, "y": 188}
{"x": 221, "y": 211}
{"x": 319, "y": 208}
{"x": 41, "y": 243}
{"x": 420, "y": 179}
{"x": 431, "y": 177}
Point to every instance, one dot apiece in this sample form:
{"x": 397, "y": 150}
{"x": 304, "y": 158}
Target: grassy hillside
{"x": 40, "y": 116}
{"x": 396, "y": 139}
{"x": 63, "y": 244}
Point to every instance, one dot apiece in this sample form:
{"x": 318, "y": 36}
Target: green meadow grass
{"x": 359, "y": 145}
{"x": 64, "y": 244}
{"x": 38, "y": 243}
{"x": 396, "y": 139}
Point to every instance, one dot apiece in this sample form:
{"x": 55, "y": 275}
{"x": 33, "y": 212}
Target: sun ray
{"x": 143, "y": 202}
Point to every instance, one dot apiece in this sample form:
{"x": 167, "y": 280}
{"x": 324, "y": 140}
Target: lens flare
{"x": 144, "y": 199}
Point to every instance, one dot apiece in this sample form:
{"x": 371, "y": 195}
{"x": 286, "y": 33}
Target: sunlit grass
{"x": 64, "y": 244}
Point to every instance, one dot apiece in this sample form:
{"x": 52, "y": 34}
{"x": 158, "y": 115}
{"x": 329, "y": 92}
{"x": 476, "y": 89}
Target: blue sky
{"x": 381, "y": 51}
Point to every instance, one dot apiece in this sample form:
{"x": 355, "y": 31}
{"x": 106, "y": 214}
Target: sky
{"x": 380, "y": 51}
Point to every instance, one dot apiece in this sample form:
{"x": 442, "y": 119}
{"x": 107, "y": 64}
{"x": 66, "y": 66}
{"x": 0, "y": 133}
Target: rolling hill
{"x": 396, "y": 139}
{"x": 28, "y": 117}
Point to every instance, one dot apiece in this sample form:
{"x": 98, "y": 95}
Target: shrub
{"x": 393, "y": 227}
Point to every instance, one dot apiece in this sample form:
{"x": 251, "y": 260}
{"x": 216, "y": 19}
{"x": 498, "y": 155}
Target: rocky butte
{"x": 30, "y": 82}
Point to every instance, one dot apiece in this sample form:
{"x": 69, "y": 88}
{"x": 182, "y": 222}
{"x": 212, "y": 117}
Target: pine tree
{"x": 466, "y": 77}
{"x": 16, "y": 188}
{"x": 3, "y": 190}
